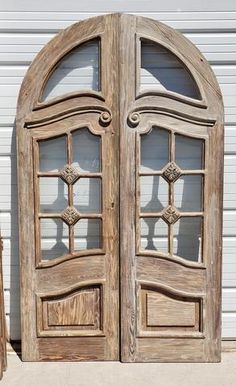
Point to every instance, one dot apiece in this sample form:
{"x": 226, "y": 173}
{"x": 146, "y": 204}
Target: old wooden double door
{"x": 120, "y": 137}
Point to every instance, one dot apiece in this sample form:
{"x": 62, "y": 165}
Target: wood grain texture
{"x": 49, "y": 310}
{"x": 76, "y": 310}
{"x": 164, "y": 311}
{"x": 182, "y": 115}
{"x": 121, "y": 116}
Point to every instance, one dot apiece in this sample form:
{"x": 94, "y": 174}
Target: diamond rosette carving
{"x": 170, "y": 215}
{"x": 69, "y": 174}
{"x": 172, "y": 172}
{"x": 70, "y": 215}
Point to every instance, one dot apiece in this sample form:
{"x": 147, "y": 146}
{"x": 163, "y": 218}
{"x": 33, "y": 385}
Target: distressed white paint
{"x": 25, "y": 26}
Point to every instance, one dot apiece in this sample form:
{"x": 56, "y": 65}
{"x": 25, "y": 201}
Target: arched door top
{"x": 204, "y": 88}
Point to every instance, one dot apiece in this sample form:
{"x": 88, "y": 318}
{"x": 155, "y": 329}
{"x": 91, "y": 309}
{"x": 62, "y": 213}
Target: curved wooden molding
{"x": 174, "y": 258}
{"x": 72, "y": 288}
{"x": 62, "y": 259}
{"x": 168, "y": 289}
{"x": 34, "y": 123}
{"x": 172, "y": 95}
{"x": 132, "y": 117}
{"x": 150, "y": 124}
{"x": 68, "y": 96}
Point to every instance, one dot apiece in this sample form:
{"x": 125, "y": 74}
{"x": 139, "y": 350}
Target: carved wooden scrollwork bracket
{"x": 105, "y": 118}
{"x": 134, "y": 119}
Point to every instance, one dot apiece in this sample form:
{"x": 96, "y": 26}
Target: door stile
{"x": 127, "y": 191}
{"x": 110, "y": 80}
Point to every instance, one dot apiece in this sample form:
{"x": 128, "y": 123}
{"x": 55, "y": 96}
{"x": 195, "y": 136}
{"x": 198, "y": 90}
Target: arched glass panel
{"x": 171, "y": 184}
{"x": 78, "y": 70}
{"x": 163, "y": 71}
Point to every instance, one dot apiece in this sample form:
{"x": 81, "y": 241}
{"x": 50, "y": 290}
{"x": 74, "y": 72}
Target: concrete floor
{"x": 120, "y": 374}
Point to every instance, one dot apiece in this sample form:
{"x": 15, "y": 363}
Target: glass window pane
{"x": 189, "y": 152}
{"x": 86, "y": 151}
{"x": 88, "y": 234}
{"x": 188, "y": 238}
{"x": 188, "y": 193}
{"x": 154, "y": 234}
{"x": 87, "y": 195}
{"x": 161, "y": 70}
{"x": 52, "y": 154}
{"x": 78, "y": 70}
{"x": 54, "y": 238}
{"x": 153, "y": 193}
{"x": 154, "y": 149}
{"x": 53, "y": 195}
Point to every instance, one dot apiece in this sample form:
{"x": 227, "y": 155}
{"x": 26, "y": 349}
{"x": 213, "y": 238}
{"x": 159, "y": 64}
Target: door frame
{"x": 127, "y": 111}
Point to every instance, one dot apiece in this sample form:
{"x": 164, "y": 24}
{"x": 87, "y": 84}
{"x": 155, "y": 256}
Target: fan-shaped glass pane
{"x": 161, "y": 71}
{"x": 78, "y": 70}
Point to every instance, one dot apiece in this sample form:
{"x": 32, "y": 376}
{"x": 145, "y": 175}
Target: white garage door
{"x": 26, "y": 26}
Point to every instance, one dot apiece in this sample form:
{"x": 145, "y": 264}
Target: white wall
{"x": 25, "y": 26}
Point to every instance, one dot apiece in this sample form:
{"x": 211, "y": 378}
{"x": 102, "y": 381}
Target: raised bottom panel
{"x": 77, "y": 312}
{"x": 169, "y": 313}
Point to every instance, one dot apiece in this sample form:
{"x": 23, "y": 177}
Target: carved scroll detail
{"x": 105, "y": 118}
{"x": 134, "y": 118}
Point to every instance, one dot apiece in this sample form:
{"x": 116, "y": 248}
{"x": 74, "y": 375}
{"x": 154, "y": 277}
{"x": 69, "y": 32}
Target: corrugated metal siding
{"x": 25, "y": 26}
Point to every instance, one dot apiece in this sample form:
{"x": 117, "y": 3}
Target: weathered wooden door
{"x": 120, "y": 101}
{"x": 69, "y": 197}
{"x": 171, "y": 197}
